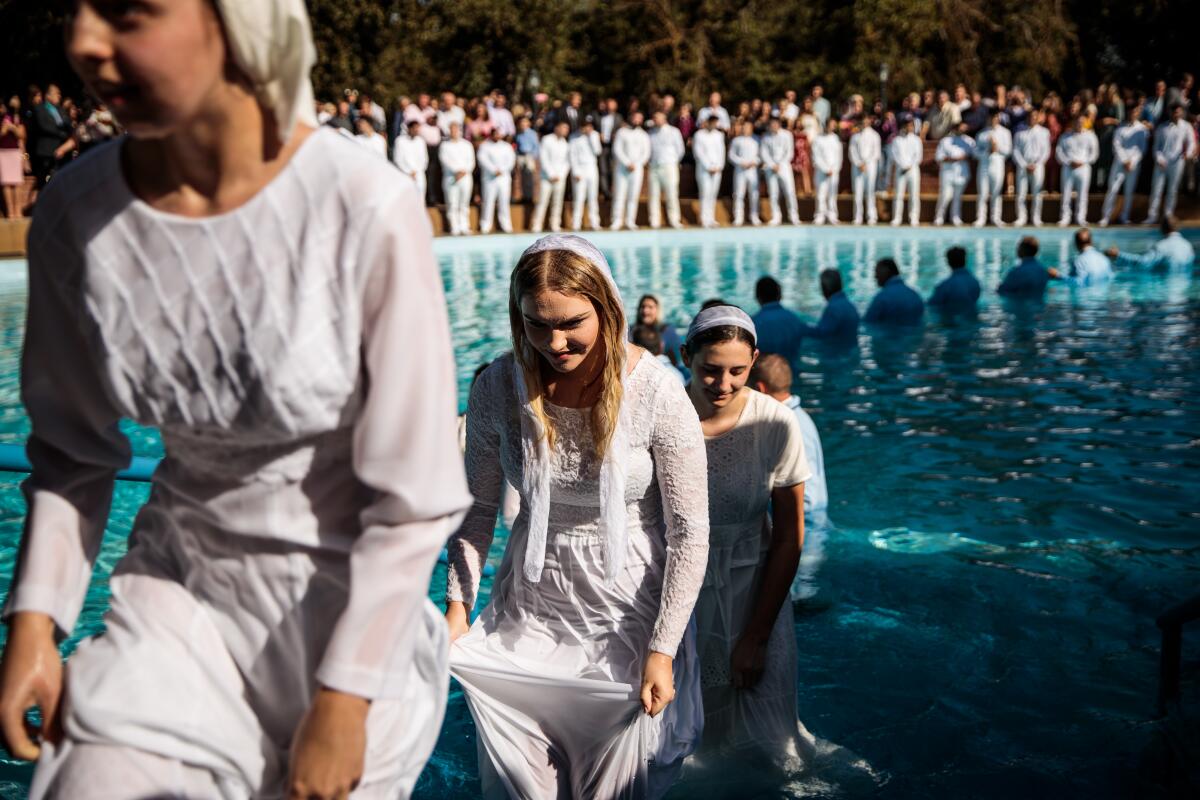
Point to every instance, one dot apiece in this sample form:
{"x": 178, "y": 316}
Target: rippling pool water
{"x": 1014, "y": 500}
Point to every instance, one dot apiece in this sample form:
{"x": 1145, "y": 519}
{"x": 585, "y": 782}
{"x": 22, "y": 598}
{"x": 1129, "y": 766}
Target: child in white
{"x": 457, "y": 157}
{"x": 743, "y": 152}
{"x": 496, "y": 162}
{"x": 827, "y": 162}
{"x": 1077, "y": 150}
{"x": 1031, "y": 151}
{"x": 631, "y": 153}
{"x": 866, "y": 149}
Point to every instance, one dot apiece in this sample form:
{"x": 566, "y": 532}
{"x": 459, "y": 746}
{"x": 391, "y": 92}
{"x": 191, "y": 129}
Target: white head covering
{"x": 614, "y": 535}
{"x": 721, "y": 316}
{"x": 271, "y": 41}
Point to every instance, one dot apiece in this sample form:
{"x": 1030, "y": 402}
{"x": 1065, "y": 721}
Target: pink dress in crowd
{"x": 12, "y": 165}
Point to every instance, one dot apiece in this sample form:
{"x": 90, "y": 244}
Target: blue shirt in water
{"x": 895, "y": 304}
{"x": 779, "y": 331}
{"x": 1090, "y": 267}
{"x": 958, "y": 294}
{"x": 1027, "y": 279}
{"x": 1170, "y": 253}
{"x": 838, "y": 323}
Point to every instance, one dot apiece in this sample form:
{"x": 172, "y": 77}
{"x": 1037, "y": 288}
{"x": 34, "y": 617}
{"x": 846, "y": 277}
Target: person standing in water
{"x": 580, "y": 673}
{"x": 268, "y": 631}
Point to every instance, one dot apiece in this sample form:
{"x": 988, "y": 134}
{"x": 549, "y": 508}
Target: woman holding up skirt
{"x": 580, "y": 673}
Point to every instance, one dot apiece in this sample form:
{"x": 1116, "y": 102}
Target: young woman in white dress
{"x": 756, "y": 474}
{"x": 267, "y": 297}
{"x": 580, "y": 673}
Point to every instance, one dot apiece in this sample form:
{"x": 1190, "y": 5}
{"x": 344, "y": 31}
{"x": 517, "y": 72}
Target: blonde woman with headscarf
{"x": 580, "y": 673}
{"x": 241, "y": 281}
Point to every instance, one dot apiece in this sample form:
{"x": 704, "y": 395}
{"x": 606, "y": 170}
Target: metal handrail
{"x": 1171, "y": 623}
{"x": 140, "y": 469}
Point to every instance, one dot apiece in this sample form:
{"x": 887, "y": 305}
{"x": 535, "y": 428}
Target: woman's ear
{"x": 754, "y": 357}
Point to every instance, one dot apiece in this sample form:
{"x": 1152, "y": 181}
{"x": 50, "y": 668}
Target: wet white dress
{"x": 308, "y": 483}
{"x": 552, "y": 669}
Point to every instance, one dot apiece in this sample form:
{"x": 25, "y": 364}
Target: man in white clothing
{"x": 1031, "y": 151}
{"x": 777, "y": 149}
{"x": 371, "y": 138}
{"x": 714, "y": 109}
{"x": 1174, "y": 143}
{"x": 449, "y": 113}
{"x": 496, "y": 162}
{"x": 993, "y": 146}
{"x": 827, "y": 169}
{"x": 906, "y": 151}
{"x": 501, "y": 117}
{"x": 953, "y": 157}
{"x": 410, "y": 154}
{"x": 743, "y": 153}
{"x": 583, "y": 152}
{"x": 666, "y": 151}
{"x": 457, "y": 158}
{"x": 1129, "y": 148}
{"x": 1077, "y": 150}
{"x": 866, "y": 149}
{"x": 554, "y": 161}
{"x": 708, "y": 148}
{"x": 631, "y": 153}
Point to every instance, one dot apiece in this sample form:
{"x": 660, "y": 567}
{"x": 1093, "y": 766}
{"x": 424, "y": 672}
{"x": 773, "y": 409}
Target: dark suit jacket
{"x": 47, "y": 134}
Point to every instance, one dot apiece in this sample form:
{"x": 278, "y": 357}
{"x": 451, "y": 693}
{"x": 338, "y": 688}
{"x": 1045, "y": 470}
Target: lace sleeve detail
{"x": 681, "y": 467}
{"x": 468, "y": 547}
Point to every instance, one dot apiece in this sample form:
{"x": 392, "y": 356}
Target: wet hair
{"x": 956, "y": 257}
{"x": 831, "y": 282}
{"x": 1082, "y": 237}
{"x": 712, "y": 301}
{"x": 1028, "y": 247}
{"x": 648, "y": 338}
{"x": 767, "y": 290}
{"x": 888, "y": 266}
{"x": 773, "y": 372}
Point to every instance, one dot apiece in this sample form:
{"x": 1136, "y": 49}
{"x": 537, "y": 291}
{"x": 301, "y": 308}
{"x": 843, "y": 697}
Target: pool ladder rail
{"x": 140, "y": 469}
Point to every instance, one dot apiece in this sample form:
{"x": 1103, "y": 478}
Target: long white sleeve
{"x": 1063, "y": 152}
{"x": 1129, "y": 143}
{"x": 827, "y": 153}
{"x": 708, "y": 148}
{"x": 666, "y": 146}
{"x": 582, "y": 155}
{"x": 496, "y": 157}
{"x": 553, "y": 156}
{"x": 456, "y": 156}
{"x": 410, "y": 155}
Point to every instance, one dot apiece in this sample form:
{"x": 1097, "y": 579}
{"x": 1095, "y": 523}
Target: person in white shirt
{"x": 827, "y": 168}
{"x": 666, "y": 151}
{"x": 993, "y": 146}
{"x": 457, "y": 157}
{"x": 1077, "y": 150}
{"x": 714, "y": 109}
{"x": 411, "y": 156}
{"x": 1129, "y": 148}
{"x": 583, "y": 152}
{"x": 906, "y": 153}
{"x": 1031, "y": 151}
{"x": 631, "y": 152}
{"x": 1174, "y": 143}
{"x": 953, "y": 157}
{"x": 367, "y": 135}
{"x": 743, "y": 154}
{"x": 708, "y": 148}
{"x": 866, "y": 149}
{"x": 501, "y": 117}
{"x": 778, "y": 148}
{"x": 554, "y": 161}
{"x": 496, "y": 162}
{"x": 450, "y": 112}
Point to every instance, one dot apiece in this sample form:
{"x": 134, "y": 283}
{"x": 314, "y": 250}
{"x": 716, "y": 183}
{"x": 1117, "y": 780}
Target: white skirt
{"x": 207, "y": 666}
{"x": 552, "y": 674}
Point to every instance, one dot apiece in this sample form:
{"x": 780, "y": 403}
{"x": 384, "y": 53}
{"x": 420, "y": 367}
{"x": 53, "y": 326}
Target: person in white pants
{"x": 708, "y": 148}
{"x": 555, "y": 165}
{"x": 1129, "y": 148}
{"x": 866, "y": 149}
{"x": 907, "y": 151}
{"x": 827, "y": 168}
{"x": 497, "y": 158}
{"x": 777, "y": 149}
{"x": 666, "y": 151}
{"x": 1077, "y": 150}
{"x": 993, "y": 146}
{"x": 410, "y": 154}
{"x": 457, "y": 157}
{"x": 1031, "y": 151}
{"x": 1174, "y": 143}
{"x": 583, "y": 151}
{"x": 631, "y": 153}
{"x": 953, "y": 156}
{"x": 743, "y": 152}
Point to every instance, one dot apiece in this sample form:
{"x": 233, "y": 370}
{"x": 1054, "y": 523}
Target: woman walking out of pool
{"x": 571, "y": 669}
{"x": 268, "y": 298}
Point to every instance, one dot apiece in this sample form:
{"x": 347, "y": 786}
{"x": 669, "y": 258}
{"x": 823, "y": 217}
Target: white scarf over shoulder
{"x": 614, "y": 536}
{"x": 271, "y": 42}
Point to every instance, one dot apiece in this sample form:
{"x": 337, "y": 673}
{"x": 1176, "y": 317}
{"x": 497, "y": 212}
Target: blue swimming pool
{"x": 1014, "y": 500}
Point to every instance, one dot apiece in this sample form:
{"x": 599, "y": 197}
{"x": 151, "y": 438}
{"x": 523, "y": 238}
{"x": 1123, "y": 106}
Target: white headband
{"x": 720, "y": 316}
{"x": 271, "y": 42}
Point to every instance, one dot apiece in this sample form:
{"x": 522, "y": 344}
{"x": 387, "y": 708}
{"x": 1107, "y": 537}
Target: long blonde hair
{"x": 568, "y": 273}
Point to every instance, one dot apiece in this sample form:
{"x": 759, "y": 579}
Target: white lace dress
{"x": 552, "y": 669}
